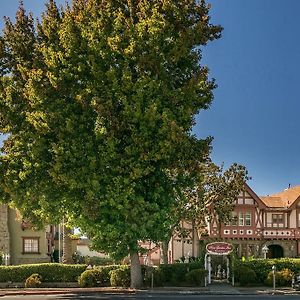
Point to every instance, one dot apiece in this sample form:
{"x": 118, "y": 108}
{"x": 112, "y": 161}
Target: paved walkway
{"x": 223, "y": 288}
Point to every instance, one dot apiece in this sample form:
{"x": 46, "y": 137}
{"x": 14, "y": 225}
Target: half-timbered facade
{"x": 272, "y": 221}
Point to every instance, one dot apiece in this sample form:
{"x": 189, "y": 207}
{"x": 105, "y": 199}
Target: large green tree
{"x": 98, "y": 100}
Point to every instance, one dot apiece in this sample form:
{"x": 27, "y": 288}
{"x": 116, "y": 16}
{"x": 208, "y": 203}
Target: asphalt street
{"x": 146, "y": 296}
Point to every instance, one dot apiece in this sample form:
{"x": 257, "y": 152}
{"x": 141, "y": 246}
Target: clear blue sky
{"x": 256, "y": 63}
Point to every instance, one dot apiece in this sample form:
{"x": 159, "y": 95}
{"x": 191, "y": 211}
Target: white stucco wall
{"x": 293, "y": 219}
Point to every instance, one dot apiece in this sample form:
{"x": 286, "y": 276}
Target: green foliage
{"x": 49, "y": 272}
{"x": 33, "y": 281}
{"x": 174, "y": 274}
{"x": 98, "y": 102}
{"x": 154, "y": 273}
{"x": 263, "y": 267}
{"x": 92, "y": 260}
{"x": 120, "y": 277}
{"x": 98, "y": 261}
{"x": 104, "y": 274}
{"x": 89, "y": 278}
{"x": 196, "y": 277}
{"x": 282, "y": 278}
{"x": 246, "y": 276}
{"x": 215, "y": 193}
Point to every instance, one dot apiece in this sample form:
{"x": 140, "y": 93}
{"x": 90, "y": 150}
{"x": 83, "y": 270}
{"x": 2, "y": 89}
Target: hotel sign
{"x": 219, "y": 248}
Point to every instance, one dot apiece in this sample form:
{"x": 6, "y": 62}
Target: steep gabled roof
{"x": 284, "y": 199}
{"x": 257, "y": 199}
{"x": 275, "y": 202}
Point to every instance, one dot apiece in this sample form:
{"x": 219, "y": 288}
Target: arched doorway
{"x": 275, "y": 251}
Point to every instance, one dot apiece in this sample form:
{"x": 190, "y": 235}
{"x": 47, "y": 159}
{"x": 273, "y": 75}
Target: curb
{"x": 64, "y": 291}
{"x": 24, "y": 292}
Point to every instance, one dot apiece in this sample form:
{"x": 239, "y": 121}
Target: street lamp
{"x": 265, "y": 250}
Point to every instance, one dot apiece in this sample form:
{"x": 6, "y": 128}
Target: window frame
{"x": 241, "y": 219}
{"x": 247, "y": 217}
{"x": 234, "y": 218}
{"x": 34, "y": 248}
{"x": 275, "y": 220}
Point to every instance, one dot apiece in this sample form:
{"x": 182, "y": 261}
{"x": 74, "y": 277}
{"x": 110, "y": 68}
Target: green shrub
{"x": 246, "y": 276}
{"x": 120, "y": 277}
{"x": 98, "y": 261}
{"x": 174, "y": 274}
{"x": 158, "y": 276}
{"x": 33, "y": 281}
{"x": 282, "y": 278}
{"x": 98, "y": 276}
{"x": 104, "y": 274}
{"x": 88, "y": 278}
{"x": 196, "y": 277}
{"x": 262, "y": 267}
{"x": 51, "y": 272}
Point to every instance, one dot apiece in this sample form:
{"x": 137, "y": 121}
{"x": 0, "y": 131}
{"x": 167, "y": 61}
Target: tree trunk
{"x": 135, "y": 270}
{"x": 164, "y": 250}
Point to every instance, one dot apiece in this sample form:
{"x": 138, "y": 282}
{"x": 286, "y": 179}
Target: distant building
{"x": 19, "y": 244}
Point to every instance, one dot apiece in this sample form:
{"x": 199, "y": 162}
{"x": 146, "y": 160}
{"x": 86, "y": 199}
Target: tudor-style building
{"x": 272, "y": 221}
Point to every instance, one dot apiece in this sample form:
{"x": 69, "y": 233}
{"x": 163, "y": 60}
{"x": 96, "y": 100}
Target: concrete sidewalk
{"x": 214, "y": 289}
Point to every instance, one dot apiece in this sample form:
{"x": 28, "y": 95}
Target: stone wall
{"x": 4, "y": 233}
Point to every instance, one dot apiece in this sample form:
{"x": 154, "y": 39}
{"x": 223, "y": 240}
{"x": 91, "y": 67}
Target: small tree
{"x": 213, "y": 193}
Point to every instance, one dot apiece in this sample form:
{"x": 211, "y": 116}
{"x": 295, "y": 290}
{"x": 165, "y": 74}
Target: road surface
{"x": 148, "y": 296}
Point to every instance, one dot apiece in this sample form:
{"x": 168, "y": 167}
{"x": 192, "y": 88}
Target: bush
{"x": 158, "y": 276}
{"x": 33, "y": 281}
{"x": 120, "y": 277}
{"x": 246, "y": 276}
{"x": 196, "y": 277}
{"x": 51, "y": 272}
{"x": 92, "y": 260}
{"x": 282, "y": 277}
{"x": 262, "y": 267}
{"x": 88, "y": 278}
{"x": 174, "y": 274}
{"x": 98, "y": 261}
{"x": 98, "y": 276}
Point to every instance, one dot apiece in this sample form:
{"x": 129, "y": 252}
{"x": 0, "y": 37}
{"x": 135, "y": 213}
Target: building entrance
{"x": 275, "y": 251}
{"x": 217, "y": 261}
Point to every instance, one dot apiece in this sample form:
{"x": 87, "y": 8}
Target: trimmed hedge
{"x": 169, "y": 274}
{"x": 50, "y": 272}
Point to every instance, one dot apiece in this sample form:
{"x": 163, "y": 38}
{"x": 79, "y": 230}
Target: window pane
{"x": 234, "y": 218}
{"x": 248, "y": 219}
{"x": 241, "y": 219}
{"x": 31, "y": 245}
{"x": 280, "y": 218}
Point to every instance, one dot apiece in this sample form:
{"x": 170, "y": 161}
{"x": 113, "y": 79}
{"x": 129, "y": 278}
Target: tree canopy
{"x": 98, "y": 100}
